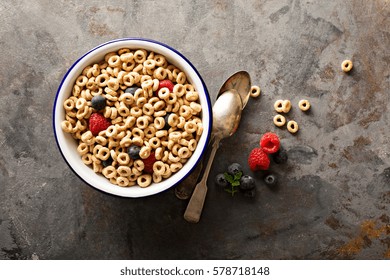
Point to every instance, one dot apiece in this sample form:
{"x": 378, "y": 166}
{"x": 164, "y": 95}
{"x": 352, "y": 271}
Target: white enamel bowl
{"x": 67, "y": 145}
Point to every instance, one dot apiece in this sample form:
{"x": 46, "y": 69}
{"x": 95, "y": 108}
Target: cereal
{"x": 292, "y": 126}
{"x": 279, "y": 120}
{"x": 304, "y": 105}
{"x": 161, "y": 122}
{"x": 286, "y": 106}
{"x": 278, "y": 106}
{"x": 347, "y": 65}
{"x": 144, "y": 180}
{"x": 255, "y": 91}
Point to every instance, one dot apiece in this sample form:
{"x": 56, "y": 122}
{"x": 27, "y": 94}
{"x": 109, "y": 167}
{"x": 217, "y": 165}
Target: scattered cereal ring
{"x": 347, "y": 65}
{"x": 278, "y": 105}
{"x": 255, "y": 91}
{"x": 286, "y": 106}
{"x": 279, "y": 120}
{"x": 304, "y": 105}
{"x": 292, "y": 126}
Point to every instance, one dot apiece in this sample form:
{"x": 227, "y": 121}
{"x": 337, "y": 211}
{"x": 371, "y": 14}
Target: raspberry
{"x": 258, "y": 160}
{"x": 166, "y": 83}
{"x": 97, "y": 123}
{"x": 270, "y": 143}
{"x": 148, "y": 163}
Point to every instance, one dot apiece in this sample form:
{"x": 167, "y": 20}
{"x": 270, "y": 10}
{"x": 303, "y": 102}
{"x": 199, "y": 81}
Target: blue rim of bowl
{"x": 150, "y": 41}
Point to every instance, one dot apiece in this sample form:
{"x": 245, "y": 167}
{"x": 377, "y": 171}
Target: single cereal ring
{"x": 159, "y": 122}
{"x": 103, "y": 153}
{"x": 122, "y": 181}
{"x": 136, "y": 171}
{"x": 145, "y": 152}
{"x": 175, "y": 167}
{"x": 150, "y": 132}
{"x": 279, "y": 120}
{"x": 192, "y": 96}
{"x": 144, "y": 180}
{"x": 190, "y": 127}
{"x": 123, "y": 159}
{"x": 184, "y": 152}
{"x": 161, "y": 133}
{"x": 159, "y": 153}
{"x": 123, "y": 171}
{"x": 66, "y": 126}
{"x": 175, "y": 136}
{"x": 82, "y": 149}
{"x": 157, "y": 178}
{"x": 160, "y": 73}
{"x": 136, "y": 132}
{"x": 175, "y": 149}
{"x": 347, "y": 65}
{"x": 304, "y": 105}
{"x": 168, "y": 172}
{"x": 286, "y": 106}
{"x": 173, "y": 158}
{"x": 159, "y": 168}
{"x": 278, "y": 106}
{"x": 196, "y": 107}
{"x": 111, "y": 131}
{"x": 292, "y": 126}
{"x": 87, "y": 159}
{"x": 139, "y": 164}
{"x": 109, "y": 172}
{"x": 69, "y": 104}
{"x": 173, "y": 120}
{"x": 192, "y": 145}
{"x": 255, "y": 91}
{"x": 154, "y": 142}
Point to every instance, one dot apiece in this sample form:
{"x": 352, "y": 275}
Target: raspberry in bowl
{"x": 132, "y": 117}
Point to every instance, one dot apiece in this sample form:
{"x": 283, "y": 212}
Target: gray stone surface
{"x": 333, "y": 197}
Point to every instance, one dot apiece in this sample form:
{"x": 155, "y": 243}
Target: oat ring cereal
{"x": 286, "y": 106}
{"x": 279, "y": 120}
{"x": 292, "y": 126}
{"x": 304, "y": 105}
{"x": 135, "y": 117}
{"x": 278, "y": 106}
{"x": 346, "y": 65}
{"x": 144, "y": 180}
{"x": 255, "y": 91}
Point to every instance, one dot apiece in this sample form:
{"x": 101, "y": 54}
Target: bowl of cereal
{"x": 132, "y": 117}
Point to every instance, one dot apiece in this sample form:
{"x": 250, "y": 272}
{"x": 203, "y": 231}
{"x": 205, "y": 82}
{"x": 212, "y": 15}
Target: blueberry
{"x": 250, "y": 193}
{"x": 133, "y": 151}
{"x": 221, "y": 181}
{"x": 98, "y": 102}
{"x": 234, "y": 168}
{"x": 270, "y": 180}
{"x": 131, "y": 89}
{"x": 166, "y": 117}
{"x": 107, "y": 162}
{"x": 280, "y": 156}
{"x": 247, "y": 183}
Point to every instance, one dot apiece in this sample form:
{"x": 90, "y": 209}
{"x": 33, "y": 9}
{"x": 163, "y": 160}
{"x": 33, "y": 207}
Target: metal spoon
{"x": 241, "y": 82}
{"x": 226, "y": 117}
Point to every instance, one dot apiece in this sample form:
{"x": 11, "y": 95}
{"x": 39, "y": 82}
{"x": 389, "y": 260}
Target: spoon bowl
{"x": 241, "y": 82}
{"x": 226, "y": 114}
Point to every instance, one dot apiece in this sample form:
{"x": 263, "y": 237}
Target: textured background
{"x": 333, "y": 199}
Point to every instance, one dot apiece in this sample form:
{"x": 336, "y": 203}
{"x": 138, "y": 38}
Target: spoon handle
{"x": 195, "y": 206}
{"x": 185, "y": 188}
